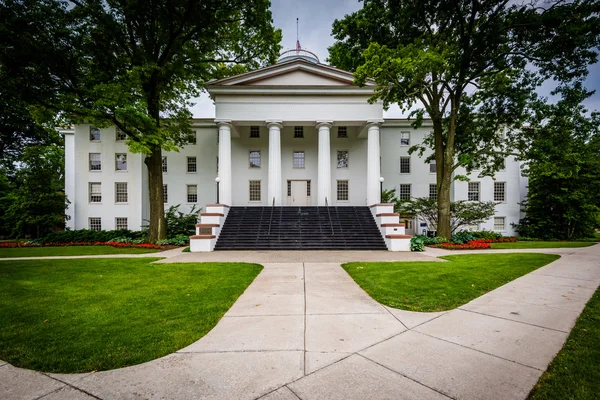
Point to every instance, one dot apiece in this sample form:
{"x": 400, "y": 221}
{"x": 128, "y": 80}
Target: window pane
{"x": 94, "y": 133}
{"x": 121, "y": 162}
{"x": 432, "y": 167}
{"x": 164, "y": 164}
{"x": 404, "y": 138}
{"x": 298, "y": 160}
{"x": 254, "y": 132}
{"x": 342, "y": 159}
{"x": 121, "y": 223}
{"x": 342, "y": 132}
{"x": 120, "y": 135}
{"x": 192, "y": 193}
{"x": 95, "y": 223}
{"x": 405, "y": 165}
{"x": 165, "y": 194}
{"x": 500, "y": 191}
{"x": 254, "y": 190}
{"x": 433, "y": 195}
{"x": 298, "y": 131}
{"x": 473, "y": 191}
{"x": 342, "y": 190}
{"x": 289, "y": 188}
{"x": 405, "y": 191}
{"x": 95, "y": 162}
{"x": 193, "y": 138}
{"x": 499, "y": 223}
{"x": 95, "y": 192}
{"x": 191, "y": 164}
{"x": 308, "y": 188}
{"x": 121, "y": 192}
{"x": 254, "y": 159}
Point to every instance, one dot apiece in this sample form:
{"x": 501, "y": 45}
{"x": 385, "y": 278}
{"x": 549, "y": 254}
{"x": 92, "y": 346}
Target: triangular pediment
{"x": 294, "y": 73}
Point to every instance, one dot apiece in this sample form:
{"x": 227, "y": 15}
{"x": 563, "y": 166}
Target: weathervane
{"x": 298, "y": 47}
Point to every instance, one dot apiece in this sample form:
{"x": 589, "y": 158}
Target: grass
{"x": 575, "y": 372}
{"x": 540, "y": 245}
{"x": 98, "y": 314}
{"x": 69, "y": 251}
{"x": 440, "y": 286}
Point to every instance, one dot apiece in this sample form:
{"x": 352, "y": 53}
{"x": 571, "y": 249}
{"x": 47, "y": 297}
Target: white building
{"x": 294, "y": 133}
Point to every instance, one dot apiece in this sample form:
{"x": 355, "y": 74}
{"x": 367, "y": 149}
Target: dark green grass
{"x": 439, "y": 286}
{"x": 70, "y": 251}
{"x": 96, "y": 314}
{"x": 540, "y": 245}
{"x": 575, "y": 372}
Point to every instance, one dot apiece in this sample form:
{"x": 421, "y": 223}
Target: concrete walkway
{"x": 307, "y": 331}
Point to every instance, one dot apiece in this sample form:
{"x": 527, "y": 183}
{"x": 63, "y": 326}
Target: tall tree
{"x": 472, "y": 66}
{"x": 132, "y": 63}
{"x": 563, "y": 166}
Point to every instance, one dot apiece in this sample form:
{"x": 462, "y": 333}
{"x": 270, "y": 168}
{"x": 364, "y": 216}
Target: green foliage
{"x": 388, "y": 196}
{"x": 431, "y": 240}
{"x": 417, "y": 243}
{"x": 179, "y": 240}
{"x": 88, "y": 235}
{"x": 563, "y": 165}
{"x": 483, "y": 234}
{"x": 462, "y": 237}
{"x": 462, "y": 212}
{"x": 180, "y": 223}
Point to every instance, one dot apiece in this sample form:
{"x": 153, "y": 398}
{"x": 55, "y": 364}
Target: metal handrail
{"x": 329, "y": 215}
{"x": 271, "y": 219}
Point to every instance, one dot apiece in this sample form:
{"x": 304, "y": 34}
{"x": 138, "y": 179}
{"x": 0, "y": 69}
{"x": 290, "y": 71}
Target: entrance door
{"x": 300, "y": 193}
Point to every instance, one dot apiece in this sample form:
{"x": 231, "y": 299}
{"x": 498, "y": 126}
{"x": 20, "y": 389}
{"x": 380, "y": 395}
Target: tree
{"x": 471, "y": 65}
{"x": 37, "y": 202}
{"x": 563, "y": 165}
{"x": 132, "y": 64}
{"x": 462, "y": 212}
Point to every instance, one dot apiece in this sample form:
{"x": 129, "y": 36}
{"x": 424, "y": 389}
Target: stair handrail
{"x": 271, "y": 218}
{"x": 329, "y": 215}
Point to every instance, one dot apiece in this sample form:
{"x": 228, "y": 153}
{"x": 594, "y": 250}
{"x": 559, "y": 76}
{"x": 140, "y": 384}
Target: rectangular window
{"x": 342, "y": 159}
{"x": 500, "y": 191}
{"x": 473, "y": 191}
{"x": 95, "y": 192}
{"x": 342, "y": 190}
{"x": 405, "y": 165}
{"x": 95, "y": 162}
{"x": 499, "y": 223}
{"x": 433, "y": 191}
{"x": 254, "y": 159}
{"x": 165, "y": 194}
{"x": 192, "y": 138}
{"x": 254, "y": 131}
{"x": 94, "y": 134}
{"x": 121, "y": 136}
{"x": 308, "y": 188}
{"x": 254, "y": 190}
{"x": 298, "y": 160}
{"x": 95, "y": 223}
{"x": 404, "y": 138}
{"x": 191, "y": 164}
{"x": 120, "y": 192}
{"x": 192, "y": 193}
{"x": 342, "y": 132}
{"x": 121, "y": 223}
{"x": 298, "y": 131}
{"x": 289, "y": 188}
{"x": 432, "y": 167}
{"x": 121, "y": 162}
{"x": 164, "y": 164}
{"x": 405, "y": 191}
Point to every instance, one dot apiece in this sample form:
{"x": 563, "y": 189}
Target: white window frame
{"x": 503, "y": 219}
{"x": 433, "y": 194}
{"x": 405, "y": 196}
{"x": 254, "y": 191}
{"x": 471, "y": 192}
{"x": 188, "y": 194}
{"x": 165, "y": 165}
{"x": 165, "y": 193}
{"x": 193, "y": 141}
{"x": 252, "y": 165}
{"x": 405, "y": 138}
{"x": 95, "y": 129}
{"x": 93, "y": 194}
{"x": 303, "y": 159}
{"x": 433, "y": 165}
{"x": 194, "y": 164}
{"x": 117, "y": 162}
{"x": 95, "y": 221}
{"x": 121, "y": 196}
{"x": 400, "y": 168}
{"x": 90, "y": 162}
{"x": 254, "y": 132}
{"x": 341, "y": 190}
{"x": 342, "y": 132}
{"x": 503, "y": 192}
{"x": 339, "y": 152}
{"x": 118, "y": 134}
{"x": 120, "y": 219}
{"x": 298, "y": 132}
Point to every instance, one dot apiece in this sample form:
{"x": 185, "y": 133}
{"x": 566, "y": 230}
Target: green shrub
{"x": 484, "y": 234}
{"x": 462, "y": 237}
{"x": 88, "y": 235}
{"x": 179, "y": 223}
{"x": 417, "y": 243}
{"x": 431, "y": 240}
{"x": 179, "y": 240}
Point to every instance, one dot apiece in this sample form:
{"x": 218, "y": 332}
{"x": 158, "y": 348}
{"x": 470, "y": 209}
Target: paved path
{"x": 307, "y": 331}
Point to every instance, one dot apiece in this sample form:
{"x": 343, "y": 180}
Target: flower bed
{"x": 476, "y": 244}
{"x": 58, "y": 244}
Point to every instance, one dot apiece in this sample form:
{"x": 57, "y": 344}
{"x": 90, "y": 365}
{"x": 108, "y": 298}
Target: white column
{"x": 225, "y": 162}
{"x": 373, "y": 165}
{"x": 324, "y": 163}
{"x": 274, "y": 184}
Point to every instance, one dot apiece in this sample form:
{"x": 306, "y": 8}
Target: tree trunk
{"x": 443, "y": 180}
{"x": 157, "y": 229}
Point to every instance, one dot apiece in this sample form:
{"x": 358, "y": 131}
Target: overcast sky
{"x": 315, "y": 20}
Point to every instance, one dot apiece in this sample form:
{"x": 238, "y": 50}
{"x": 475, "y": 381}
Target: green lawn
{"x": 96, "y": 314}
{"x": 575, "y": 372}
{"x": 439, "y": 286}
{"x": 69, "y": 251}
{"x": 540, "y": 245}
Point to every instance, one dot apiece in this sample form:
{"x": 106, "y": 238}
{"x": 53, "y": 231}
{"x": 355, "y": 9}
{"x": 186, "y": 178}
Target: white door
{"x": 299, "y": 193}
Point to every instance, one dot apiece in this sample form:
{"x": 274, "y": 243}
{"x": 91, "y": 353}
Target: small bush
{"x": 179, "y": 223}
{"x": 462, "y": 237}
{"x": 179, "y": 240}
{"x": 431, "y": 240}
{"x": 87, "y": 235}
{"x": 417, "y": 243}
{"x": 483, "y": 234}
